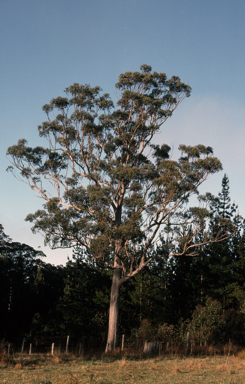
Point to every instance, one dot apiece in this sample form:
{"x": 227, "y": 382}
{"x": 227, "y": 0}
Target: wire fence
{"x": 56, "y": 345}
{"x": 69, "y": 344}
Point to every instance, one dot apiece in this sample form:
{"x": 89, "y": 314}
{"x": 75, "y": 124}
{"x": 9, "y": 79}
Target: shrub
{"x": 205, "y": 322}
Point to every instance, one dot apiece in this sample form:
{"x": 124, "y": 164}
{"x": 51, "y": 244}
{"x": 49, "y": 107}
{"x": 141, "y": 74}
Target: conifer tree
{"x": 221, "y": 260}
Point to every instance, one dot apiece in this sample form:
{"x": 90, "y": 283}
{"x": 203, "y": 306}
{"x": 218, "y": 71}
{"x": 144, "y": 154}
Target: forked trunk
{"x": 112, "y": 339}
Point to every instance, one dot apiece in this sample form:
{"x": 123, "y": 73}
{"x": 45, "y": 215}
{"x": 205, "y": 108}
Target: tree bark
{"x": 112, "y": 339}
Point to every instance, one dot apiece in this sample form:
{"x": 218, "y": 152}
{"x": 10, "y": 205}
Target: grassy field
{"x": 44, "y": 369}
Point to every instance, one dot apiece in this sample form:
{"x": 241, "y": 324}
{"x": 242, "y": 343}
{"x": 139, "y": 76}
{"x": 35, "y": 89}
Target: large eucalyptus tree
{"x": 106, "y": 186}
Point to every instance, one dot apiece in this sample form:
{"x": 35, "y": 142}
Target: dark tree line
{"x": 29, "y": 287}
{"x": 38, "y": 299}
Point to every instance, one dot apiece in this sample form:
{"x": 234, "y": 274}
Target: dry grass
{"x": 115, "y": 368}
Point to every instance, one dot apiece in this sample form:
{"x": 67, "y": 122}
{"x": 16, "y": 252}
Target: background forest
{"x": 203, "y": 295}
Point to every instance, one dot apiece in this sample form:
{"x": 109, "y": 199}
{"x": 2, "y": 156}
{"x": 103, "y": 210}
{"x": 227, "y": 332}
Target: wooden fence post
{"x": 30, "y": 348}
{"x": 80, "y": 349}
{"x": 122, "y": 342}
{"x": 23, "y": 345}
{"x": 8, "y": 349}
{"x": 67, "y": 343}
{"x": 187, "y": 340}
{"x": 160, "y": 348}
{"x": 52, "y": 349}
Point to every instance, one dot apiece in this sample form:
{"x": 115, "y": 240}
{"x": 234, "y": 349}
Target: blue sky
{"x": 48, "y": 45}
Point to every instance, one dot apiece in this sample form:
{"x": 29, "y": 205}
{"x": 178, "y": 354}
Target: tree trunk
{"x": 112, "y": 339}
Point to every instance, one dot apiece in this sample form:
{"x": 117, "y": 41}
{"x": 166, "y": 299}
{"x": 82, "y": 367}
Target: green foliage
{"x": 232, "y": 327}
{"x": 146, "y": 331}
{"x": 204, "y": 322}
{"x": 107, "y": 189}
{"x": 166, "y": 333}
{"x": 85, "y": 301}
